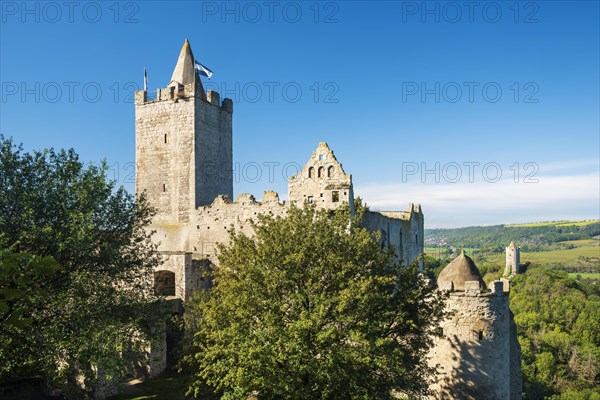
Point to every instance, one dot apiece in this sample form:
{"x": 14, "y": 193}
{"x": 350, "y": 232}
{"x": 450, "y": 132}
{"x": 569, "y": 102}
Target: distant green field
{"x": 585, "y": 248}
{"x": 441, "y": 251}
{"x": 583, "y": 242}
{"x": 556, "y": 223}
{"x": 586, "y": 275}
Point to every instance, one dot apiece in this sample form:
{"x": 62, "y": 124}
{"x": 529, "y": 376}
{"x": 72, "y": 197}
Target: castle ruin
{"x": 185, "y": 169}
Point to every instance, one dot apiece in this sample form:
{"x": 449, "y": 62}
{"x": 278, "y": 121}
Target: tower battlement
{"x": 183, "y": 93}
{"x": 243, "y": 199}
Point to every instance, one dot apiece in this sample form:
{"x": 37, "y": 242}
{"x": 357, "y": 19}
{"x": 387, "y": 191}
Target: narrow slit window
{"x": 164, "y": 187}
{"x": 165, "y": 138}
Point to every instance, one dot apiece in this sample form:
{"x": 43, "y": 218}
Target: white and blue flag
{"x": 202, "y": 70}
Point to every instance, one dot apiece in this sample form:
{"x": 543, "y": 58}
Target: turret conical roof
{"x": 462, "y": 269}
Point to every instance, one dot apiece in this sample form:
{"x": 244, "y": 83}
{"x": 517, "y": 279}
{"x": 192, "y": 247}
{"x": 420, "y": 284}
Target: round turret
{"x": 478, "y": 355}
{"x": 462, "y": 269}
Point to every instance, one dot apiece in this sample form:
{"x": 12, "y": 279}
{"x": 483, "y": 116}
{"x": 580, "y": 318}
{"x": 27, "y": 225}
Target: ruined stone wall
{"x": 474, "y": 353}
{"x": 188, "y": 249}
{"x": 212, "y": 223}
{"x": 413, "y": 233}
{"x": 404, "y": 230}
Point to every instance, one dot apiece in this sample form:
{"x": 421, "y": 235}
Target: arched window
{"x": 311, "y": 172}
{"x": 164, "y": 283}
{"x": 321, "y": 172}
{"x": 330, "y": 171}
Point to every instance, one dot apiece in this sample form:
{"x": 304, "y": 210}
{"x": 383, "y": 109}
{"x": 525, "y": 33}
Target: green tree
{"x": 311, "y": 307}
{"x": 23, "y": 286}
{"x": 76, "y": 270}
{"x": 557, "y": 321}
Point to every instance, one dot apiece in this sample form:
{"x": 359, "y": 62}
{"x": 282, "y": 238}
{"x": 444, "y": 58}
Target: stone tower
{"x": 183, "y": 144}
{"x": 478, "y": 356}
{"x": 512, "y": 259}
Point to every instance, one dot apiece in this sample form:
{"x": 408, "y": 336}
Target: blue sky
{"x": 421, "y": 102}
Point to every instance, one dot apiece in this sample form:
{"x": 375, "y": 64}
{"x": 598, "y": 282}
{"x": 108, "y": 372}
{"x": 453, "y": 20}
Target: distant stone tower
{"x": 183, "y": 144}
{"x": 512, "y": 259}
{"x": 479, "y": 356}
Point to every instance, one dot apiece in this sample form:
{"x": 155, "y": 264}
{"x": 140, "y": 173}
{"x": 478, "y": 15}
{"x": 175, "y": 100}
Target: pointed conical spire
{"x": 184, "y": 72}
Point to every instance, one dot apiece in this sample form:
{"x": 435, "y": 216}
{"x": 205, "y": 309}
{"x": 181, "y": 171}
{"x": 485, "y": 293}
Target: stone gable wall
{"x": 322, "y": 181}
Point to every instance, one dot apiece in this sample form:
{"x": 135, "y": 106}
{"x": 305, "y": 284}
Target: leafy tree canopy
{"x": 311, "y": 307}
{"x": 558, "y": 322}
{"x": 75, "y": 271}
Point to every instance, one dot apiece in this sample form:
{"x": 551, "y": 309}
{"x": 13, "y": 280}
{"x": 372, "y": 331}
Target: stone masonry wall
{"x": 213, "y": 149}
{"x": 183, "y": 150}
{"x": 403, "y": 230}
{"x": 210, "y": 225}
{"x": 213, "y": 223}
{"x": 474, "y": 354}
{"x": 164, "y": 154}
{"x": 322, "y": 182}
